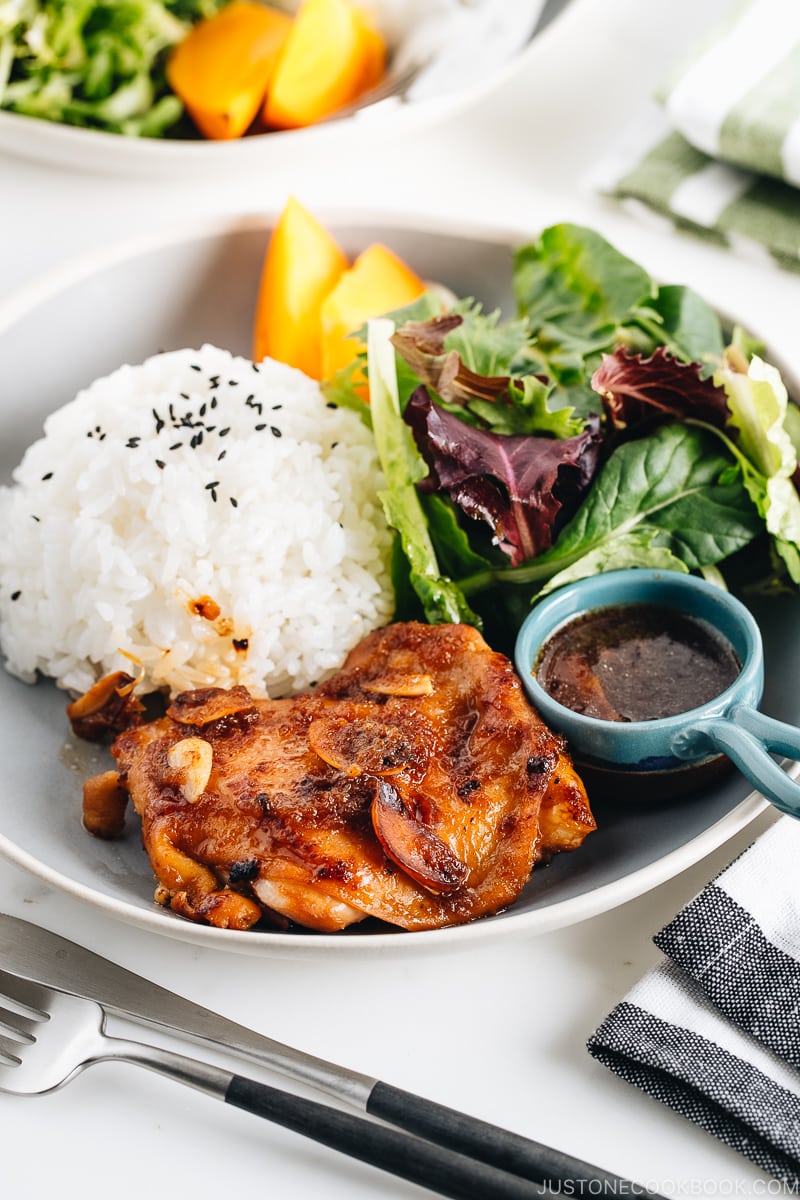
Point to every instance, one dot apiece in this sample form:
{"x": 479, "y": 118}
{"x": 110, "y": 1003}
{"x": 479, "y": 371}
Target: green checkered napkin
{"x": 721, "y": 157}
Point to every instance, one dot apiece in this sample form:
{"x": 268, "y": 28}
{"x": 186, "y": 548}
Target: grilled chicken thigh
{"x": 417, "y": 786}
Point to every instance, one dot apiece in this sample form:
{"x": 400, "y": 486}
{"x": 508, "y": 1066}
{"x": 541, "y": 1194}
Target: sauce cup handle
{"x": 776, "y": 735}
{"x": 747, "y": 736}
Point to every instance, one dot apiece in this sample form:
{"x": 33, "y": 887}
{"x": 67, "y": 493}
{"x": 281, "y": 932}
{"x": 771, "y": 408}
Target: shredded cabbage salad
{"x": 99, "y": 64}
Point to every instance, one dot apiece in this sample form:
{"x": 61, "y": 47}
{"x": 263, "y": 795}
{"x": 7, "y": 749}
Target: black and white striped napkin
{"x": 714, "y": 1029}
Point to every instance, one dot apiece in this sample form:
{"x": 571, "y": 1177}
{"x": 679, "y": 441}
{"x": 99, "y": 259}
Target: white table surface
{"x": 498, "y": 1031}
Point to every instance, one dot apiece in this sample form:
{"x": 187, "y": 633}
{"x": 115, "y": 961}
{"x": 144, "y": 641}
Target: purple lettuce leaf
{"x": 422, "y": 346}
{"x": 636, "y": 389}
{"x": 523, "y": 487}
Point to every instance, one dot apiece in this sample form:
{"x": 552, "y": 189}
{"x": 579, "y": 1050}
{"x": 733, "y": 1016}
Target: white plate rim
{"x": 558, "y": 915}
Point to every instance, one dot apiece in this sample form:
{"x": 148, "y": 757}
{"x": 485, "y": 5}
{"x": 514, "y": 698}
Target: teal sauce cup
{"x": 669, "y": 756}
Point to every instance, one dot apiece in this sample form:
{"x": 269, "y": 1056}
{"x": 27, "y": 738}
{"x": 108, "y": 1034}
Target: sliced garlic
{"x": 191, "y": 760}
{"x": 400, "y": 685}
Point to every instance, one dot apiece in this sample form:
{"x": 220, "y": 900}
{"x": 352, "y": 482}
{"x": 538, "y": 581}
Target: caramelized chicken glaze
{"x": 417, "y": 786}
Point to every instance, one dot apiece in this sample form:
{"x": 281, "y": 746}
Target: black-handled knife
{"x": 46, "y": 958}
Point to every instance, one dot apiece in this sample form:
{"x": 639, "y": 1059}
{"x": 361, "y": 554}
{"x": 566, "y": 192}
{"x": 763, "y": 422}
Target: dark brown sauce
{"x": 635, "y": 662}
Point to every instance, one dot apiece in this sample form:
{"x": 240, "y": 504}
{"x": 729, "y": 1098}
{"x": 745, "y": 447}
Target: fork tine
{"x": 9, "y": 1052}
{"x": 19, "y": 1026}
{"x": 23, "y": 992}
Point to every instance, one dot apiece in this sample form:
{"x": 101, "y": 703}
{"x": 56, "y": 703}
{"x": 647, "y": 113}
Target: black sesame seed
{"x": 334, "y": 445}
{"x": 202, "y": 410}
{"x": 210, "y": 428}
{"x": 102, "y": 437}
{"x": 49, "y": 475}
{"x": 213, "y": 496}
{"x": 158, "y": 421}
{"x": 36, "y": 519}
{"x": 275, "y": 407}
{"x": 196, "y": 367}
{"x": 160, "y": 464}
{"x": 330, "y": 404}
{"x": 210, "y": 486}
{"x": 16, "y": 595}
{"x": 233, "y": 383}
{"x": 184, "y": 395}
{"x": 255, "y": 367}
{"x": 250, "y": 399}
{"x": 213, "y": 401}
{"x": 132, "y": 443}
{"x": 275, "y": 431}
{"x": 224, "y": 432}
{"x": 233, "y": 500}
{"x": 260, "y": 427}
{"x": 221, "y": 455}
{"x": 176, "y": 445}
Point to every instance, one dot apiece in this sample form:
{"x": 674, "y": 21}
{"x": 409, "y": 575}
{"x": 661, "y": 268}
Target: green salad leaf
{"x": 688, "y": 327}
{"x": 697, "y": 443}
{"x": 583, "y": 297}
{"x": 668, "y": 500}
{"x": 766, "y": 453}
{"x": 95, "y": 63}
{"x": 441, "y": 599}
{"x": 577, "y": 289}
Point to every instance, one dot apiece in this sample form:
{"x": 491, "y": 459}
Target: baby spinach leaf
{"x": 688, "y": 326}
{"x": 675, "y": 482}
{"x": 575, "y": 288}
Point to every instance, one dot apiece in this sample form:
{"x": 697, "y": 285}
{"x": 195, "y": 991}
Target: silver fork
{"x": 47, "y": 1037}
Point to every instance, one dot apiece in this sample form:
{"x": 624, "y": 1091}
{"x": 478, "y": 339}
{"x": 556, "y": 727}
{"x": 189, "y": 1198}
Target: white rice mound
{"x": 257, "y": 555}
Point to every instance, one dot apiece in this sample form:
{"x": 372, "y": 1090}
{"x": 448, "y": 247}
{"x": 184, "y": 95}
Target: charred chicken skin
{"x": 417, "y": 786}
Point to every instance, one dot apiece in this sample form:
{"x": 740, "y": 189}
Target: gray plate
{"x": 200, "y": 285}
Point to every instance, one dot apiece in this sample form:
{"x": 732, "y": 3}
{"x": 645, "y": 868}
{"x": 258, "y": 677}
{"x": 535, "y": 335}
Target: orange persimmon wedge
{"x": 222, "y": 68}
{"x": 303, "y": 263}
{"x": 332, "y": 55}
{"x": 377, "y": 282}
{"x": 374, "y": 56}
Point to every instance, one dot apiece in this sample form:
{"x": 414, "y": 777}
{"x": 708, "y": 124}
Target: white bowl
{"x": 465, "y": 50}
